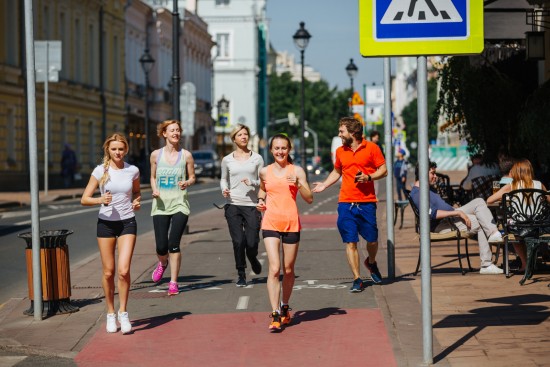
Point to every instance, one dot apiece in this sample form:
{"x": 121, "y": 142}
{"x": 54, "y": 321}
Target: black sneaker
{"x": 241, "y": 282}
{"x": 256, "y": 266}
{"x": 374, "y": 272}
{"x": 357, "y": 286}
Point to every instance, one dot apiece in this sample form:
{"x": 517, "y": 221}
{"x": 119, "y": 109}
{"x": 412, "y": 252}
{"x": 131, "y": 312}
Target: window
{"x": 91, "y": 56}
{"x": 222, "y": 40}
{"x": 222, "y": 2}
{"x": 78, "y": 50}
{"x": 10, "y": 137}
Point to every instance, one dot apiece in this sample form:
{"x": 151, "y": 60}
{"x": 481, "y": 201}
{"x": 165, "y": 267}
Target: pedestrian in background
{"x": 359, "y": 163}
{"x": 172, "y": 172}
{"x": 69, "y": 166}
{"x": 280, "y": 183}
{"x": 120, "y": 197}
{"x": 239, "y": 184}
{"x": 400, "y": 174}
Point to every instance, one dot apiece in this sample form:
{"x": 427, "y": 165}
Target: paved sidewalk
{"x": 478, "y": 320}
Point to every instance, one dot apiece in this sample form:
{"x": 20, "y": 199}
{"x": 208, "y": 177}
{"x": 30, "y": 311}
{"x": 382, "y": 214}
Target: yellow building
{"x": 87, "y": 102}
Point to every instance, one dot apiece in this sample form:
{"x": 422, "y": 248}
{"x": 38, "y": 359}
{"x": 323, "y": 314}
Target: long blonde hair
{"x": 107, "y": 158}
{"x": 522, "y": 175}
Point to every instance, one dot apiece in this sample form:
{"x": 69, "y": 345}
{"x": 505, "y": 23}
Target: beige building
{"x": 81, "y": 109}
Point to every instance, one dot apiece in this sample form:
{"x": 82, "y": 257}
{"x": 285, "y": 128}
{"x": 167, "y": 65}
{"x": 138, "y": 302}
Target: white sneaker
{"x": 495, "y": 237}
{"x": 124, "y": 320}
{"x": 111, "y": 323}
{"x": 491, "y": 269}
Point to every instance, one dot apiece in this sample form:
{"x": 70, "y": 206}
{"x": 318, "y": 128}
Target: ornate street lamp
{"x": 351, "y": 69}
{"x": 147, "y": 62}
{"x": 301, "y": 40}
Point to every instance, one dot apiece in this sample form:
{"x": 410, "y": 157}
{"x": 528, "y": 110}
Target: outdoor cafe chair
{"x": 454, "y": 235}
{"x": 527, "y": 216}
{"x": 482, "y": 187}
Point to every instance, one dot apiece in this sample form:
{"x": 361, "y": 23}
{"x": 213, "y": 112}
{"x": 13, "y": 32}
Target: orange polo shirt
{"x": 367, "y": 158}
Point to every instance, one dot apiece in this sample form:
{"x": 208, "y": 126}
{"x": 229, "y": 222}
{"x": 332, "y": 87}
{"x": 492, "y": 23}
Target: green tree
{"x": 410, "y": 118}
{"x": 484, "y": 102}
{"x": 323, "y": 109}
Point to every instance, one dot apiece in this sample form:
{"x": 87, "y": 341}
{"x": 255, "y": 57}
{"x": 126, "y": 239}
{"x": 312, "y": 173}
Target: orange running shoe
{"x": 286, "y": 318}
{"x": 275, "y": 324}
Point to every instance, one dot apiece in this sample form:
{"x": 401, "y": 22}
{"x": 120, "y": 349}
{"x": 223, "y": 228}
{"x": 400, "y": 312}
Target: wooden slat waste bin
{"x": 55, "y": 270}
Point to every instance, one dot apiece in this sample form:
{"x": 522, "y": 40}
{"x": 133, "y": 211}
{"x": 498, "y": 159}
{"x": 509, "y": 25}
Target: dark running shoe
{"x": 374, "y": 272}
{"x": 285, "y": 315}
{"x": 256, "y": 266}
{"x": 241, "y": 282}
{"x": 275, "y": 324}
{"x": 357, "y": 286}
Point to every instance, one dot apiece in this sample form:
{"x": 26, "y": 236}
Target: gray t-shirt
{"x": 234, "y": 171}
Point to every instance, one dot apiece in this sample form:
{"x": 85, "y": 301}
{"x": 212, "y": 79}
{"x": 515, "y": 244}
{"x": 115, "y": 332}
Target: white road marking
{"x": 242, "y": 304}
{"x": 96, "y": 209}
{"x": 9, "y": 361}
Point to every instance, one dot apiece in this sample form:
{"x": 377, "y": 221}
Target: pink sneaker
{"x": 173, "y": 289}
{"x": 158, "y": 272}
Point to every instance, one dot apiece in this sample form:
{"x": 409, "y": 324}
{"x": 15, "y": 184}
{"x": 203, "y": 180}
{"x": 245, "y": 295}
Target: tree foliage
{"x": 410, "y": 118}
{"x": 484, "y": 103}
{"x": 323, "y": 109}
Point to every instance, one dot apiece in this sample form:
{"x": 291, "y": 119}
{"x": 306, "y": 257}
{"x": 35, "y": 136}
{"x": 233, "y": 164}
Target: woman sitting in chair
{"x": 522, "y": 178}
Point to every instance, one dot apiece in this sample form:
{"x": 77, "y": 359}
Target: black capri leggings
{"x": 169, "y": 241}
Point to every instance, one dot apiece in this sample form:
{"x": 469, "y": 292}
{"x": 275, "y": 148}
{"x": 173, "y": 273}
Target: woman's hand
{"x": 261, "y": 205}
{"x": 292, "y": 179}
{"x": 107, "y": 198}
{"x": 136, "y": 204}
{"x": 183, "y": 184}
{"x": 156, "y": 194}
{"x": 246, "y": 181}
{"x": 226, "y": 193}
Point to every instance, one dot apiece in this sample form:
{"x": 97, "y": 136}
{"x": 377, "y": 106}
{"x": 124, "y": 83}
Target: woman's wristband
{"x": 263, "y": 199}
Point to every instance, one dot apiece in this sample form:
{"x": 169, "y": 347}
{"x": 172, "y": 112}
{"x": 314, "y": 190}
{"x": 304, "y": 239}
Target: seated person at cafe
{"x": 505, "y": 165}
{"x": 522, "y": 174}
{"x": 478, "y": 169}
{"x": 474, "y": 218}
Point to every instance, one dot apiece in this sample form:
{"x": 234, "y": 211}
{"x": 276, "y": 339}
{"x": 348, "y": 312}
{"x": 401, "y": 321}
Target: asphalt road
{"x": 69, "y": 214}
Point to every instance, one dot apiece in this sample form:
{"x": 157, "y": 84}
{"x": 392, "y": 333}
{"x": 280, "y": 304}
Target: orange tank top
{"x": 281, "y": 212}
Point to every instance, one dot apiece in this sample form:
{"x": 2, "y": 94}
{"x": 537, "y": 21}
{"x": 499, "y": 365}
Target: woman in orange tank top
{"x": 280, "y": 183}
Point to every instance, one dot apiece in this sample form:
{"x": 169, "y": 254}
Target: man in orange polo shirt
{"x": 359, "y": 162}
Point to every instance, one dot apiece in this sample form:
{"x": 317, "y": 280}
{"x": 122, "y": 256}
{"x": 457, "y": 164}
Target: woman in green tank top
{"x": 172, "y": 172}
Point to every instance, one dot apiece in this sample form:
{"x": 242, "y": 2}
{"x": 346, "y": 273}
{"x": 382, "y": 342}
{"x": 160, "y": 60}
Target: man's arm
{"x": 329, "y": 181}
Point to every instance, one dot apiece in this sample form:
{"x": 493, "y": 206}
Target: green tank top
{"x": 172, "y": 199}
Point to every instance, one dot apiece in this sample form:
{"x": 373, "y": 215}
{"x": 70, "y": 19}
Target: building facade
{"x": 84, "y": 105}
{"x": 236, "y": 28}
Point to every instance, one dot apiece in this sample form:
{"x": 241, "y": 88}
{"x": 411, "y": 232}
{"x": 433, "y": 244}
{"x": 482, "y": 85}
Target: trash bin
{"x": 56, "y": 278}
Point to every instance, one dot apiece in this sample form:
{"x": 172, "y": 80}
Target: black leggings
{"x": 169, "y": 242}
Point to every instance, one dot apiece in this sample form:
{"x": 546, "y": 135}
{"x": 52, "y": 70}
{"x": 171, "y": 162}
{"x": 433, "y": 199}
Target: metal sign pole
{"x": 33, "y": 160}
{"x": 46, "y": 147}
{"x": 425, "y": 251}
{"x": 389, "y": 164}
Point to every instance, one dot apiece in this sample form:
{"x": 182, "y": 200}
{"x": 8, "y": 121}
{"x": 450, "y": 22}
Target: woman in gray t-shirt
{"x": 239, "y": 184}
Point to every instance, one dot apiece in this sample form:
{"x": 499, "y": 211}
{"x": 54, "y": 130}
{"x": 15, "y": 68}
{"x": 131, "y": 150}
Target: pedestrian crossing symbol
{"x": 420, "y": 27}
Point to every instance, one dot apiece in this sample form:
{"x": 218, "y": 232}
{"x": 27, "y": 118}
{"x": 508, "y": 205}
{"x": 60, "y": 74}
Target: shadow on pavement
{"x": 153, "y": 322}
{"x": 313, "y": 315}
{"x": 512, "y": 313}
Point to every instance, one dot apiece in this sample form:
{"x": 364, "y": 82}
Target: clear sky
{"x": 334, "y": 27}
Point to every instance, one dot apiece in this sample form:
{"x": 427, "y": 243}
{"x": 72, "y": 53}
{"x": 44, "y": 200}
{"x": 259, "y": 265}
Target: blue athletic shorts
{"x": 355, "y": 219}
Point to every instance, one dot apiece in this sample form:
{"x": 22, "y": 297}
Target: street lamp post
{"x": 301, "y": 40}
{"x": 351, "y": 69}
{"x": 147, "y": 62}
{"x": 223, "y": 114}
